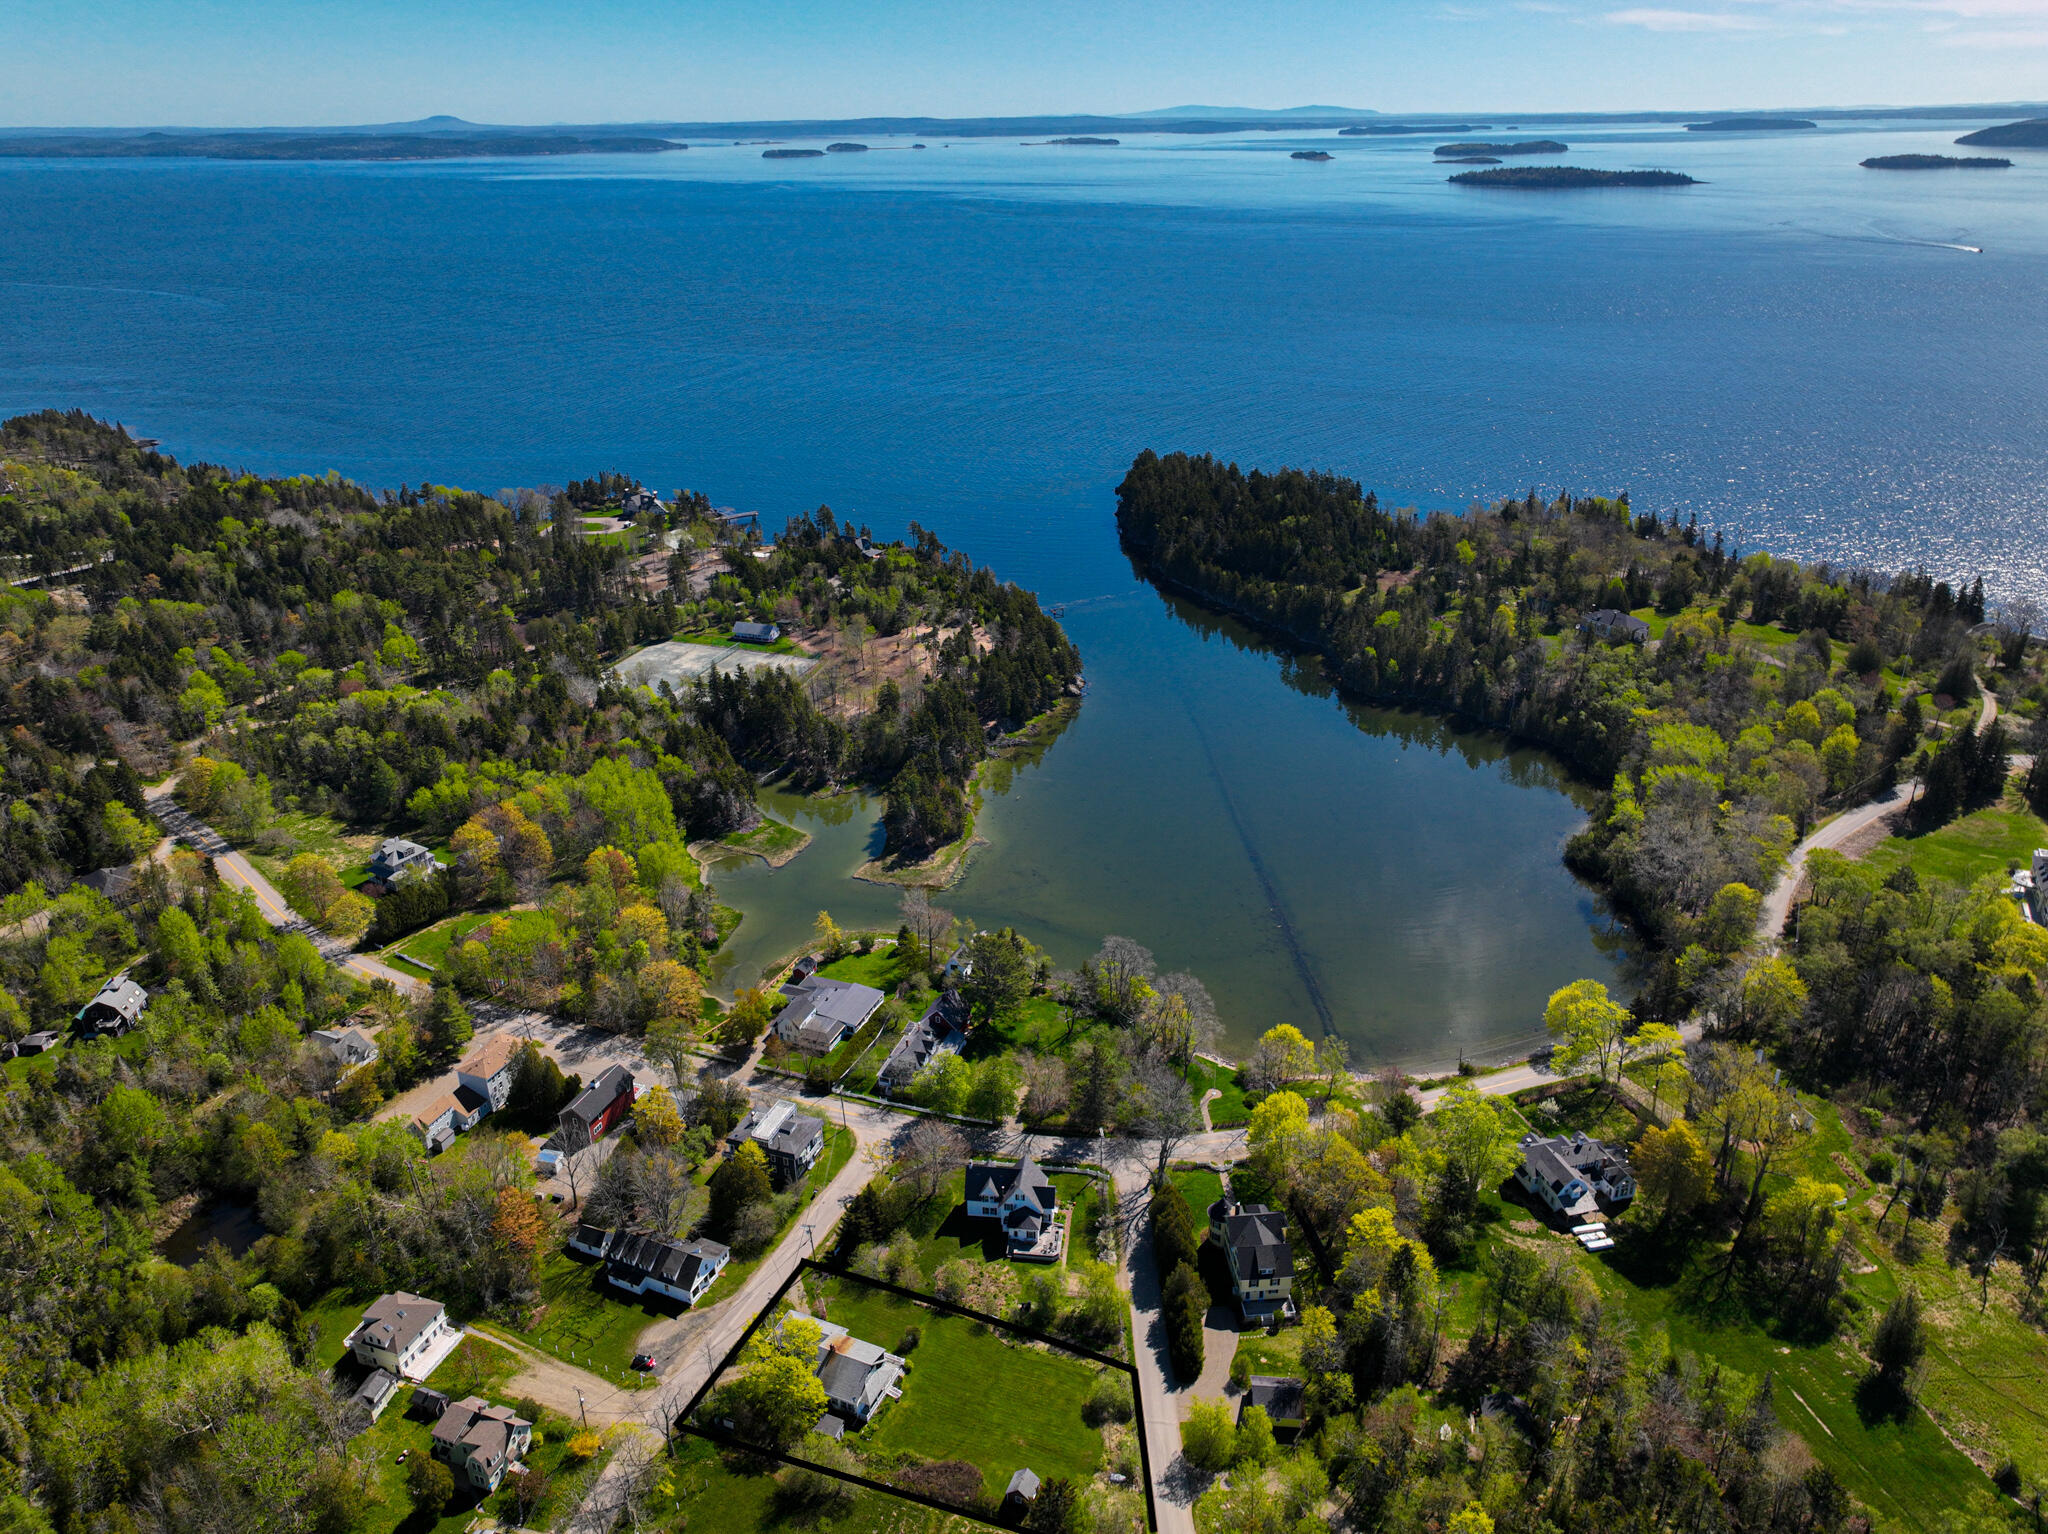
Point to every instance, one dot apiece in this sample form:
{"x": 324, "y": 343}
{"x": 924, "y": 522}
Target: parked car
{"x": 644, "y": 1361}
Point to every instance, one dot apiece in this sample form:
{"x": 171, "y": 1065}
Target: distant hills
{"x": 1231, "y": 114}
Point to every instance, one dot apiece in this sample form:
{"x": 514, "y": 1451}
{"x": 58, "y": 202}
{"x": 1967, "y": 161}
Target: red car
{"x": 643, "y": 1361}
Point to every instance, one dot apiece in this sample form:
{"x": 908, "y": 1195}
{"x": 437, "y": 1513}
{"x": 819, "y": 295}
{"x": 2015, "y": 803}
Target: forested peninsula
{"x": 1722, "y": 701}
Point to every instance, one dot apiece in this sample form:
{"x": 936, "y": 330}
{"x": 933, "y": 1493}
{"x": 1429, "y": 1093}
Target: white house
{"x": 682, "y": 1270}
{"x": 490, "y": 1071}
{"x": 1021, "y": 1198}
{"x": 1575, "y": 1175}
{"x": 400, "y": 1333}
{"x": 821, "y": 1011}
{"x": 450, "y": 1114}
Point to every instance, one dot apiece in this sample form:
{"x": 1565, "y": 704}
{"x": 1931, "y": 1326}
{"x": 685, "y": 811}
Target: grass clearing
{"x": 881, "y": 968}
{"x": 775, "y": 840}
{"x": 714, "y": 1492}
{"x": 1201, "y": 1187}
{"x": 586, "y": 1322}
{"x": 1989, "y": 841}
{"x": 972, "y": 1393}
{"x": 427, "y": 949}
{"x": 1210, "y": 1075}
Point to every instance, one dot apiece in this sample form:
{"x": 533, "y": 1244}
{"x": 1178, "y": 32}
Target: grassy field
{"x": 880, "y": 968}
{"x": 1987, "y": 842}
{"x": 1201, "y": 1187}
{"x": 839, "y": 1148}
{"x": 972, "y": 1393}
{"x": 428, "y": 947}
{"x": 584, "y": 1321}
{"x": 723, "y": 638}
{"x": 716, "y": 1493}
{"x": 1038, "y": 1024}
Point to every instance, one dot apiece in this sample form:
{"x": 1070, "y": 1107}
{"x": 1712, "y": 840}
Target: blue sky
{"x": 112, "y": 62}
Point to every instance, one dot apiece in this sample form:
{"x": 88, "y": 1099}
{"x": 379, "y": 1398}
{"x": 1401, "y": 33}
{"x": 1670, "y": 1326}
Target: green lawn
{"x": 879, "y": 968}
{"x": 1201, "y": 1187}
{"x": 719, "y": 1493}
{"x": 1278, "y": 1354}
{"x": 973, "y": 1393}
{"x": 724, "y": 640}
{"x": 428, "y": 947}
{"x": 1230, "y": 1108}
{"x": 1039, "y": 1024}
{"x": 1590, "y": 1108}
{"x": 839, "y": 1148}
{"x": 1987, "y": 842}
{"x": 584, "y": 1321}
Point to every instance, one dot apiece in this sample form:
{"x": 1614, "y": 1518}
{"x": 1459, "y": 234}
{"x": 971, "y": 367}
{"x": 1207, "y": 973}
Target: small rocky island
{"x": 2031, "y": 134}
{"x": 846, "y": 149}
{"x": 792, "y": 154}
{"x": 1470, "y": 159}
{"x": 1549, "y": 177}
{"x": 1935, "y": 162}
{"x": 1311, "y": 154}
{"x": 1084, "y": 141}
{"x": 1516, "y": 146}
{"x": 1748, "y": 124}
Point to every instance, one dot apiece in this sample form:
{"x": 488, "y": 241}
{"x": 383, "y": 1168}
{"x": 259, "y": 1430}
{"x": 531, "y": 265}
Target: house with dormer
{"x": 1575, "y": 1174}
{"x": 1261, "y": 1259}
{"x": 1021, "y": 1198}
{"x": 480, "y": 1442}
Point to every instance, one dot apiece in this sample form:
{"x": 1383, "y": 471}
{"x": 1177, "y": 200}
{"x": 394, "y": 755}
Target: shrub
{"x": 1882, "y": 1167}
{"x": 2007, "y": 1478}
{"x": 430, "y": 1482}
{"x": 948, "y": 1480}
{"x": 1209, "y": 1437}
{"x": 1241, "y": 1371}
{"x": 912, "y": 1336}
{"x": 1109, "y": 1401}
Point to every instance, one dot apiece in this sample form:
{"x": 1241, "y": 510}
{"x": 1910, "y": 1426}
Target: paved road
{"x": 237, "y": 870}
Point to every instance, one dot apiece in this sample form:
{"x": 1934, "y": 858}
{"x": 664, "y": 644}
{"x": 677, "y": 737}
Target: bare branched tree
{"x": 1162, "y": 1110}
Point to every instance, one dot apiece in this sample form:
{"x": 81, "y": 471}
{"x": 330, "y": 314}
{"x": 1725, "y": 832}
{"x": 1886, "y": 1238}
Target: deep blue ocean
{"x": 1827, "y": 361}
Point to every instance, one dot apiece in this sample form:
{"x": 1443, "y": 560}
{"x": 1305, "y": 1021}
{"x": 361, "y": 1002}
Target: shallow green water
{"x": 1377, "y": 874}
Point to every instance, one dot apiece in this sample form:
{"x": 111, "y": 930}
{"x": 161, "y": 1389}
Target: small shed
{"x": 1020, "y": 1493}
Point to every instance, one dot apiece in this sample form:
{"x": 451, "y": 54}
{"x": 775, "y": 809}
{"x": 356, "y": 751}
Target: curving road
{"x": 237, "y": 870}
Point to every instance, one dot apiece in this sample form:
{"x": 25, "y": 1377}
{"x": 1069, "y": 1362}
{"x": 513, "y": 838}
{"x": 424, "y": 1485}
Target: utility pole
{"x": 582, "y": 1411}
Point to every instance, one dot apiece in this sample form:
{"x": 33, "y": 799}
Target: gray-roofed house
{"x": 821, "y": 1011}
{"x": 1574, "y": 1175}
{"x": 350, "y": 1047}
{"x": 941, "y": 1031}
{"x": 682, "y": 1270}
{"x": 859, "y": 1377}
{"x": 1280, "y": 1395}
{"x": 1022, "y": 1198}
{"x": 114, "y": 1010}
{"x": 1020, "y": 1493}
{"x": 791, "y": 1140}
{"x": 35, "y": 1043}
{"x": 397, "y": 855}
{"x": 1254, "y": 1242}
{"x": 591, "y": 1240}
{"x": 398, "y": 1332}
{"x": 375, "y": 1392}
{"x": 479, "y": 1441}
{"x": 597, "y": 1109}
{"x": 756, "y": 633}
{"x": 1612, "y": 623}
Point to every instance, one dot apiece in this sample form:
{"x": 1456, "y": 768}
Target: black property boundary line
{"x": 684, "y": 1423}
